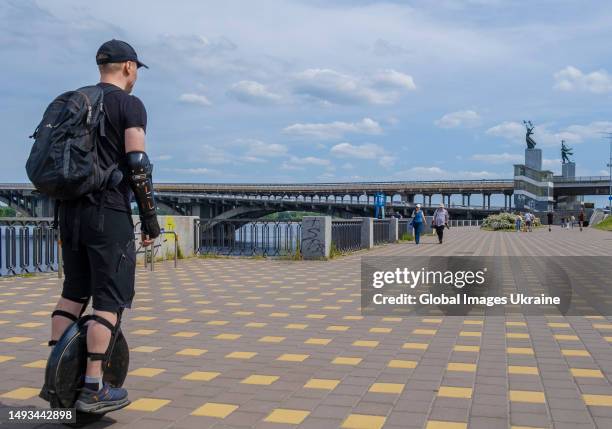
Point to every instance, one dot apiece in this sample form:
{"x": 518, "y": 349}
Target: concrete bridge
{"x": 235, "y": 200}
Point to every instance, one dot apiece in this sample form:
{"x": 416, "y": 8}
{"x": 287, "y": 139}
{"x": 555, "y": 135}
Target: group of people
{"x": 524, "y": 222}
{"x": 439, "y": 222}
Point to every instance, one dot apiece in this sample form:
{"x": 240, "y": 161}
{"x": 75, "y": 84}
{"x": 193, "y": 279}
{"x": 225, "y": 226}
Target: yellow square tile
{"x": 144, "y": 318}
{"x": 602, "y": 325}
{"x": 15, "y": 340}
{"x": 363, "y": 421}
{"x": 145, "y": 349}
{"x": 36, "y": 364}
{"x": 516, "y": 324}
{"x": 217, "y": 322}
{"x": 213, "y": 409}
{"x": 473, "y": 322}
{"x": 386, "y": 388}
{"x": 463, "y": 367}
{"x": 30, "y": 325}
{"x": 424, "y": 331}
{"x": 4, "y": 358}
{"x": 185, "y": 334}
{"x": 523, "y": 370}
{"x": 415, "y": 346}
{"x": 562, "y": 337}
{"x": 439, "y": 424}
{"x": 399, "y": 363}
{"x": 575, "y": 353}
{"x": 364, "y": 343}
{"x": 296, "y": 326}
{"x": 460, "y": 348}
{"x": 41, "y": 313}
{"x": 527, "y": 396}
{"x": 589, "y": 373}
{"x": 598, "y": 400}
{"x": 316, "y": 316}
{"x": 338, "y": 328}
{"x": 470, "y": 334}
{"x": 321, "y": 383}
{"x": 455, "y": 392}
{"x": 176, "y": 309}
{"x": 519, "y": 350}
{"x": 264, "y": 380}
{"x": 431, "y": 320}
{"x": 318, "y": 341}
{"x": 21, "y": 393}
{"x": 241, "y": 355}
{"x": 517, "y": 335}
{"x": 144, "y": 331}
{"x": 255, "y": 325}
{"x": 191, "y": 352}
{"x": 381, "y": 330}
{"x": 271, "y": 339}
{"x": 179, "y": 321}
{"x": 282, "y": 415}
{"x": 559, "y": 325}
{"x": 346, "y": 361}
{"x": 391, "y": 319}
{"x": 146, "y": 372}
{"x": 279, "y": 314}
{"x": 200, "y": 376}
{"x": 289, "y": 357}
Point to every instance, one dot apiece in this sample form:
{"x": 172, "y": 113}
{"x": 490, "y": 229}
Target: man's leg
{"x": 98, "y": 340}
{"x": 60, "y": 322}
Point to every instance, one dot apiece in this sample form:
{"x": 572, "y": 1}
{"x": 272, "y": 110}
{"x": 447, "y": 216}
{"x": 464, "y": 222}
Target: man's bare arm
{"x": 134, "y": 140}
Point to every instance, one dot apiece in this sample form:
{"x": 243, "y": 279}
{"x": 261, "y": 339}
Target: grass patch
{"x": 605, "y": 225}
{"x": 406, "y": 237}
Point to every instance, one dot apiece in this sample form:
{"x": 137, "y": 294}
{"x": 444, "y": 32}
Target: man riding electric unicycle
{"x": 89, "y": 156}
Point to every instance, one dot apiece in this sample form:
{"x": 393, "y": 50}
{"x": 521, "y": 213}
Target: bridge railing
{"x": 27, "y": 245}
{"x": 346, "y": 235}
{"x": 247, "y": 237}
{"x": 382, "y": 231}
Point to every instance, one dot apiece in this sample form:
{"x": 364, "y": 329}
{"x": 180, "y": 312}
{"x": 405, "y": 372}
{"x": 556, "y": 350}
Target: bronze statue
{"x": 530, "y": 142}
{"x": 565, "y": 152}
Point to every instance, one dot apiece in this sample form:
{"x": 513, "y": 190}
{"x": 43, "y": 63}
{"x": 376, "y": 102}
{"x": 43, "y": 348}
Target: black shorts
{"x": 103, "y": 264}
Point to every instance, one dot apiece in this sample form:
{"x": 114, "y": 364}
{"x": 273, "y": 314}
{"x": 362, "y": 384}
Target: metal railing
{"x": 382, "y": 231}
{"x": 346, "y": 235}
{"x": 465, "y": 222}
{"x": 27, "y": 245}
{"x": 248, "y": 237}
{"x": 152, "y": 251}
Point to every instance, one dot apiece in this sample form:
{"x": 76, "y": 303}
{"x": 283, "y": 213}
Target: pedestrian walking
{"x": 528, "y": 221}
{"x": 440, "y": 221}
{"x": 418, "y": 221}
{"x": 572, "y": 221}
{"x": 550, "y": 217}
{"x": 581, "y": 218}
{"x": 518, "y": 221}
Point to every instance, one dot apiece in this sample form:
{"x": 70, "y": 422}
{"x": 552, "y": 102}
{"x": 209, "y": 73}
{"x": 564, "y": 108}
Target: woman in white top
{"x": 440, "y": 221}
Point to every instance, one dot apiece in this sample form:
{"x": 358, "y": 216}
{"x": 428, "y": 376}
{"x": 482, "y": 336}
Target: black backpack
{"x": 63, "y": 163}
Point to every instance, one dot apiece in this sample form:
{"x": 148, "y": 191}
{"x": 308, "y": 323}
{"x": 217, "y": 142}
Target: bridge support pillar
{"x": 316, "y": 237}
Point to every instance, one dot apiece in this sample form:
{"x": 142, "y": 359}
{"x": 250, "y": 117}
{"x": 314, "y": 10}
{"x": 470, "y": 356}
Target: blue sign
{"x": 610, "y": 198}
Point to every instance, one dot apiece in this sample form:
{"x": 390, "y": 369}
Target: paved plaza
{"x": 252, "y": 343}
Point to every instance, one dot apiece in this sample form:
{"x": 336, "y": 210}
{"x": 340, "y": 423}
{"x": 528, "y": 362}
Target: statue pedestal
{"x": 533, "y": 158}
{"x": 568, "y": 170}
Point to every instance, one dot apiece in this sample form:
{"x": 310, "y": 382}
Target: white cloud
{"x": 497, "y": 158}
{"x": 394, "y": 79}
{"x": 334, "y": 130}
{"x": 297, "y": 163}
{"x": 573, "y": 79}
{"x": 198, "y": 99}
{"x": 437, "y": 173}
{"x": 257, "y": 148}
{"x": 162, "y": 158}
{"x": 572, "y": 134}
{"x": 330, "y": 86}
{"x": 248, "y": 91}
{"x": 199, "y": 170}
{"x": 461, "y": 118}
{"x": 364, "y": 151}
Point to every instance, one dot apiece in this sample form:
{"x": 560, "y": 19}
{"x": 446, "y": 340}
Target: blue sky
{"x": 339, "y": 90}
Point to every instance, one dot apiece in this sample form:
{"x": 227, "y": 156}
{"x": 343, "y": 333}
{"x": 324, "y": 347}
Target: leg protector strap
{"x": 110, "y": 327}
{"x": 103, "y": 321}
{"x": 64, "y": 314}
{"x": 52, "y": 343}
{"x": 96, "y": 356}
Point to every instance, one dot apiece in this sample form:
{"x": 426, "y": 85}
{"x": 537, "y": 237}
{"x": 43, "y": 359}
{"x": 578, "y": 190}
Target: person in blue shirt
{"x": 417, "y": 223}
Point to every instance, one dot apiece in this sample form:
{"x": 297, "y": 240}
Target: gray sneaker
{"x": 102, "y": 401}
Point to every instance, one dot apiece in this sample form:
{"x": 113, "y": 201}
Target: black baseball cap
{"x": 117, "y": 51}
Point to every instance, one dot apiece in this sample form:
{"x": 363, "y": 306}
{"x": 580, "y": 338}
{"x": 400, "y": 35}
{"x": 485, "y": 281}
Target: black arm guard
{"x": 140, "y": 170}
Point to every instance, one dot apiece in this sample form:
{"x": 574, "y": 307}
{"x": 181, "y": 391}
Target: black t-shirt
{"x": 123, "y": 111}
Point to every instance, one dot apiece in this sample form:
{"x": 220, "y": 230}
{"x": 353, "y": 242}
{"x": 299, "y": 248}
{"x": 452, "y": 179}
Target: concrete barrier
{"x": 181, "y": 225}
